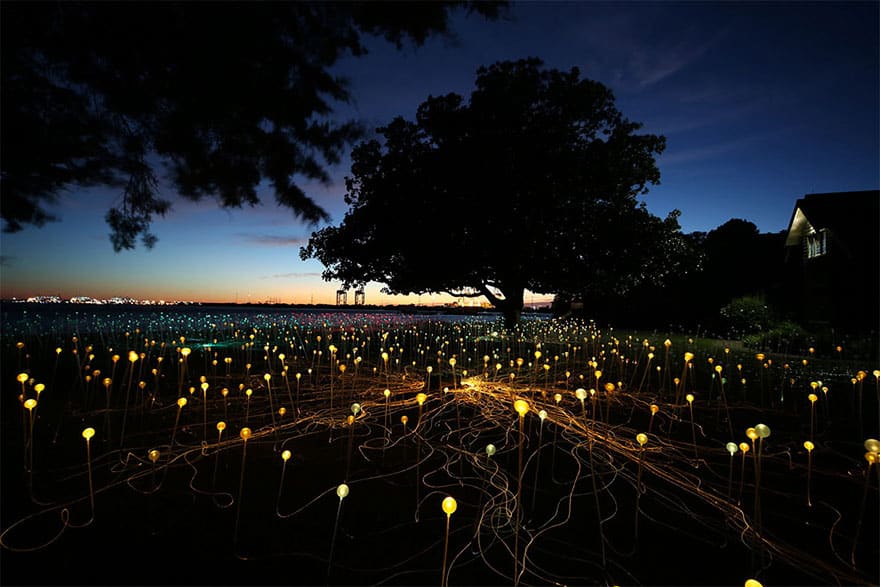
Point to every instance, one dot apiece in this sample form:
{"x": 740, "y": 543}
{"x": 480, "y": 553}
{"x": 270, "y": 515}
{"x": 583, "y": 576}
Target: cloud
{"x": 690, "y": 155}
{"x": 271, "y": 240}
{"x": 295, "y": 275}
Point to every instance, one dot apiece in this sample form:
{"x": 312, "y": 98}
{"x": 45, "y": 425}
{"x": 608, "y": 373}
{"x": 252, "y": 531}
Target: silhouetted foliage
{"x": 225, "y": 96}
{"x": 531, "y": 184}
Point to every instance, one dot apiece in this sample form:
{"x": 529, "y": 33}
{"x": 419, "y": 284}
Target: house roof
{"x": 852, "y": 217}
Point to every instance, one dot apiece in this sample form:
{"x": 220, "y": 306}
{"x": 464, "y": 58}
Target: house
{"x": 832, "y": 260}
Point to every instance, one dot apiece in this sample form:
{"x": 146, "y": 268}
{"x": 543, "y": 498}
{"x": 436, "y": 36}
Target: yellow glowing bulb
{"x": 181, "y": 402}
{"x": 132, "y": 356}
{"x": 752, "y": 583}
{"x": 731, "y": 448}
{"x": 449, "y": 505}
{"x": 557, "y": 397}
{"x": 204, "y": 386}
{"x": 342, "y": 491}
{"x": 580, "y": 393}
{"x": 245, "y": 433}
{"x": 871, "y": 457}
{"x": 655, "y": 408}
{"x": 598, "y": 374}
{"x": 809, "y": 445}
{"x": 267, "y": 377}
{"x": 690, "y": 398}
{"x": 521, "y": 407}
{"x": 30, "y": 403}
{"x": 752, "y": 433}
{"x": 688, "y": 357}
{"x": 387, "y": 393}
{"x": 718, "y": 369}
{"x": 88, "y": 433}
{"x": 812, "y": 397}
{"x": 421, "y": 397}
{"x": 762, "y": 430}
{"x": 282, "y": 410}
{"x": 404, "y": 420}
{"x": 22, "y": 377}
{"x": 452, "y": 364}
{"x": 872, "y": 445}
{"x": 154, "y": 455}
{"x": 490, "y": 449}
{"x": 39, "y": 387}
{"x": 285, "y": 455}
{"x": 543, "y": 415}
{"x": 642, "y": 438}
{"x": 185, "y": 351}
{"x": 221, "y": 426}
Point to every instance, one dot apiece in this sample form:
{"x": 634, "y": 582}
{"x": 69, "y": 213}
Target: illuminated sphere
{"x": 285, "y": 455}
{"x": 30, "y": 403}
{"x": 744, "y": 446}
{"x": 543, "y": 415}
{"x": 39, "y": 387}
{"x": 580, "y": 393}
{"x": 154, "y": 455}
{"x": 762, "y": 430}
{"x": 267, "y": 377}
{"x": 690, "y": 398}
{"x": 752, "y": 583}
{"x": 809, "y": 445}
{"x": 282, "y": 410}
{"x": 654, "y": 408}
{"x": 22, "y": 377}
{"x": 521, "y": 406}
{"x": 404, "y": 420}
{"x": 387, "y": 393}
{"x": 871, "y": 457}
{"x": 609, "y": 387}
{"x": 245, "y": 433}
{"x": 731, "y": 448}
{"x": 872, "y": 445}
{"x": 688, "y": 357}
{"x": 88, "y": 433}
{"x": 490, "y": 449}
{"x": 355, "y": 409}
{"x": 449, "y": 505}
{"x": 185, "y": 351}
{"x": 342, "y": 491}
{"x": 752, "y": 433}
{"x": 181, "y": 402}
{"x": 421, "y": 398}
{"x": 557, "y": 397}
{"x": 221, "y": 426}
{"x": 642, "y": 438}
{"x": 812, "y": 397}
{"x": 452, "y": 364}
{"x": 133, "y": 356}
{"x": 598, "y": 374}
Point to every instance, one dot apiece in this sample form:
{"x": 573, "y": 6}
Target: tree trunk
{"x": 511, "y": 307}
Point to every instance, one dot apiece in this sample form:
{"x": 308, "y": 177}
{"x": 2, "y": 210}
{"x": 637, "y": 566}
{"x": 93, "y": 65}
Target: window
{"x": 817, "y": 244}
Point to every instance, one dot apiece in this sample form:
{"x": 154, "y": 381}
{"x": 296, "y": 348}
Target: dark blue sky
{"x": 760, "y": 103}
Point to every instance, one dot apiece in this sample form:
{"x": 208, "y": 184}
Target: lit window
{"x": 817, "y": 244}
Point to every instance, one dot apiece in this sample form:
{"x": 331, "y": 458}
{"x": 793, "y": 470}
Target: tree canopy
{"x": 531, "y": 184}
{"x": 223, "y": 96}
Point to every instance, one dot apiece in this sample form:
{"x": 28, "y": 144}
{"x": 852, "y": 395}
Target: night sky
{"x": 760, "y": 104}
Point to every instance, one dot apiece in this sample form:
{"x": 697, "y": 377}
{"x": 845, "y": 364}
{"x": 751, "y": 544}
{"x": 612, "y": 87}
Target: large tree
{"x": 224, "y": 95}
{"x": 532, "y": 183}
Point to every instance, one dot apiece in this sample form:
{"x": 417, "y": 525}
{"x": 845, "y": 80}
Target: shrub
{"x": 746, "y": 315}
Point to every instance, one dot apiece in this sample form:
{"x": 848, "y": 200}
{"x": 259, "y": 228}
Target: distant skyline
{"x": 760, "y": 104}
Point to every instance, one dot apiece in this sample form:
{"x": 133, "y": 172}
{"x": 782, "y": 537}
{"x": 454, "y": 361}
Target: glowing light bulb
{"x": 342, "y": 491}
{"x": 689, "y": 397}
{"x": 421, "y": 397}
{"x": 642, "y": 438}
{"x": 88, "y": 433}
{"x": 387, "y": 393}
{"x": 872, "y": 445}
{"x": 404, "y": 420}
{"x": 221, "y": 426}
{"x": 752, "y": 583}
{"x": 752, "y": 433}
{"x": 557, "y": 397}
{"x": 654, "y": 408}
{"x": 731, "y": 448}
{"x": 285, "y": 455}
{"x": 30, "y": 404}
{"x": 355, "y": 409}
{"x": 744, "y": 446}
{"x": 543, "y": 415}
{"x": 181, "y": 402}
{"x": 245, "y": 433}
{"x": 449, "y": 505}
{"x": 580, "y": 393}
{"x": 490, "y": 449}
{"x": 809, "y": 445}
{"x": 521, "y": 407}
{"x": 762, "y": 430}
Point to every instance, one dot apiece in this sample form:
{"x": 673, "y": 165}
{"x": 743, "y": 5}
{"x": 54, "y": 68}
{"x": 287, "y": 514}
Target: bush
{"x": 746, "y": 315}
